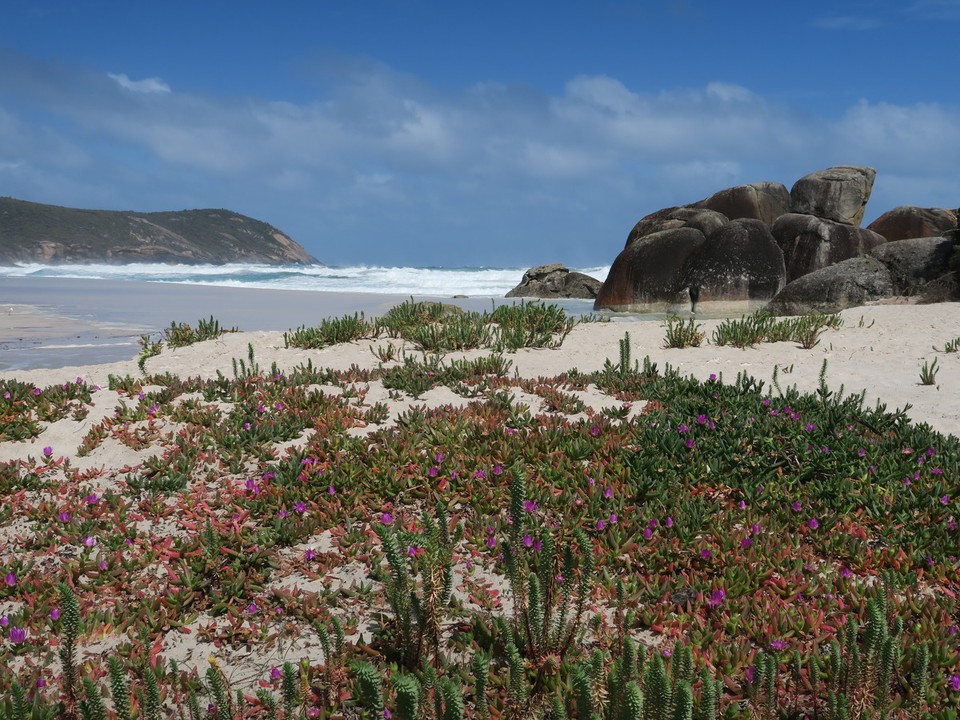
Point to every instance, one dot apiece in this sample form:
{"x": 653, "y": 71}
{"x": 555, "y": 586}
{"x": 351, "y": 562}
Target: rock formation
{"x": 747, "y": 242}
{"x": 764, "y": 201}
{"x": 648, "y": 271}
{"x": 739, "y": 261}
{"x": 906, "y": 222}
{"x": 838, "y": 193}
{"x": 849, "y": 283}
{"x": 555, "y": 281}
{"x": 810, "y": 243}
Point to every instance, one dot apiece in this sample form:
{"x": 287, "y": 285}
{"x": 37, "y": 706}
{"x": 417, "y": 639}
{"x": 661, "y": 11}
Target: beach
{"x": 112, "y": 446}
{"x": 880, "y": 349}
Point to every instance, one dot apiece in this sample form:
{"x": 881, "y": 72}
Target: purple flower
{"x": 309, "y": 554}
{"x": 331, "y": 490}
{"x": 746, "y": 542}
{"x": 945, "y": 500}
{"x": 594, "y": 431}
{"x": 92, "y": 499}
{"x": 613, "y": 519}
{"x": 713, "y": 377}
{"x": 527, "y": 541}
{"x": 778, "y": 645}
{"x": 89, "y": 541}
{"x": 797, "y": 506}
{"x": 4, "y": 621}
{"x": 497, "y": 469}
{"x": 54, "y": 613}
{"x": 647, "y": 533}
{"x": 47, "y": 451}
{"x": 668, "y": 522}
{"x": 11, "y": 579}
{"x": 701, "y": 419}
{"x": 716, "y": 597}
{"x": 275, "y": 673}
{"x": 608, "y": 492}
{"x": 412, "y": 550}
{"x": 439, "y": 457}
{"x": 17, "y": 635}
{"x": 749, "y": 674}
{"x": 601, "y": 524}
{"x": 300, "y": 506}
{"x": 861, "y": 453}
{"x": 529, "y": 506}
{"x": 706, "y": 553}
{"x": 810, "y": 427}
{"x": 491, "y": 541}
{"x": 955, "y": 682}
{"x": 433, "y": 471}
{"x": 690, "y": 444}
{"x": 252, "y": 608}
{"x": 652, "y": 524}
{"x": 386, "y": 518}
{"x": 682, "y": 429}
{"x": 283, "y": 514}
{"x": 813, "y": 523}
{"x": 36, "y": 391}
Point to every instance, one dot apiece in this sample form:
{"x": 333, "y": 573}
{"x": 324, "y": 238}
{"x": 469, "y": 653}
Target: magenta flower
{"x": 491, "y": 541}
{"x": 412, "y": 550}
{"x": 608, "y": 492}
{"x": 601, "y": 524}
{"x": 275, "y": 673}
{"x": 433, "y": 471}
{"x": 668, "y": 522}
{"x": 716, "y": 597}
{"x": 690, "y": 444}
{"x": 252, "y": 608}
{"x": 47, "y": 451}
{"x": 54, "y": 613}
{"x": 17, "y": 635}
{"x": 386, "y": 518}
{"x": 331, "y": 490}
{"x": 282, "y": 514}
{"x": 955, "y": 682}
{"x": 749, "y": 674}
{"x": 497, "y": 469}
{"x": 89, "y": 541}
{"x": 945, "y": 500}
{"x": 613, "y": 519}
{"x": 527, "y": 541}
{"x": 706, "y": 554}
{"x": 778, "y": 645}
{"x": 713, "y": 377}
{"x": 529, "y": 506}
{"x": 36, "y": 391}
{"x": 300, "y": 506}
{"x": 813, "y": 523}
{"x": 797, "y": 506}
{"x": 4, "y": 621}
{"x": 594, "y": 431}
{"x": 11, "y": 579}
{"x": 746, "y": 542}
{"x": 309, "y": 554}
{"x": 647, "y": 533}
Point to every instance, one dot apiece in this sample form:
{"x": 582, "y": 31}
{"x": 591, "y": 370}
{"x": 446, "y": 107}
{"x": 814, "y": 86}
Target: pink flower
{"x": 955, "y": 682}
{"x": 54, "y": 613}
{"x": 608, "y": 492}
{"x": 527, "y": 541}
{"x": 613, "y": 519}
{"x": 601, "y": 524}
{"x": 529, "y": 506}
{"x": 647, "y": 533}
{"x": 17, "y": 635}
{"x": 386, "y": 518}
{"x": 746, "y": 542}
{"x": 778, "y": 645}
{"x": 252, "y": 608}
{"x": 331, "y": 490}
{"x": 47, "y": 451}
{"x": 668, "y": 522}
{"x": 309, "y": 555}
{"x": 716, "y": 597}
{"x": 11, "y": 579}
{"x": 300, "y": 506}
{"x": 706, "y": 553}
{"x": 813, "y": 523}
{"x": 275, "y": 673}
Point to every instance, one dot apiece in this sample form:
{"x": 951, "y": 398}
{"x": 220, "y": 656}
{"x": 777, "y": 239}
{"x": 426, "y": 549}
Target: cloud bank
{"x": 382, "y": 168}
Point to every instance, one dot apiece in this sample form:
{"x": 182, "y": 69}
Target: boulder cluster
{"x": 792, "y": 251}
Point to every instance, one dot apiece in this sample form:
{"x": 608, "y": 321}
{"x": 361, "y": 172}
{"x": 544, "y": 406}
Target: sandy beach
{"x": 879, "y": 350}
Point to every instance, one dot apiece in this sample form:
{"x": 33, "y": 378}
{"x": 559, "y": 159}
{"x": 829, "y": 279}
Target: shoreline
{"x": 102, "y": 320}
{"x": 880, "y": 350}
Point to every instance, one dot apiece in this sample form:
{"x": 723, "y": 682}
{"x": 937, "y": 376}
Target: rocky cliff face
{"x": 31, "y": 232}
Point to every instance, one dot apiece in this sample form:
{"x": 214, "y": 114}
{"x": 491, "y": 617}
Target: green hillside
{"x": 32, "y": 232}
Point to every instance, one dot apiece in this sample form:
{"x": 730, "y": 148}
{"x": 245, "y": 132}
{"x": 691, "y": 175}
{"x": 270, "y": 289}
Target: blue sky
{"x": 421, "y": 132}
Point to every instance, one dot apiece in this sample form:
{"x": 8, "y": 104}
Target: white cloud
{"x": 148, "y": 85}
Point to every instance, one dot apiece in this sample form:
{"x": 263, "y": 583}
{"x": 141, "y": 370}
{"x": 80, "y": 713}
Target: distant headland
{"x": 33, "y": 232}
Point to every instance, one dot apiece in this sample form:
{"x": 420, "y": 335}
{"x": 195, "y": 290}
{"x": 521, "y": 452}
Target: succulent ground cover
{"x": 438, "y": 538}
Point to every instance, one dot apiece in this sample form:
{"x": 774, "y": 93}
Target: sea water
{"x": 435, "y": 281}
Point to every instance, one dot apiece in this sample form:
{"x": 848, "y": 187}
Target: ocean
{"x": 435, "y": 281}
{"x": 98, "y": 313}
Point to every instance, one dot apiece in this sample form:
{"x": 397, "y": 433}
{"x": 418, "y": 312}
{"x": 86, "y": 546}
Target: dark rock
{"x": 648, "y": 270}
{"x": 915, "y": 262}
{"x": 838, "y": 193}
{"x": 555, "y": 281}
{"x": 847, "y": 284}
{"x": 764, "y": 201}
{"x": 945, "y": 288}
{"x": 739, "y": 261}
{"x": 907, "y": 221}
{"x": 702, "y": 219}
{"x": 810, "y": 243}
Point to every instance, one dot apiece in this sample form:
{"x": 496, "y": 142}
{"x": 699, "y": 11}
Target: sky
{"x": 498, "y": 134}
